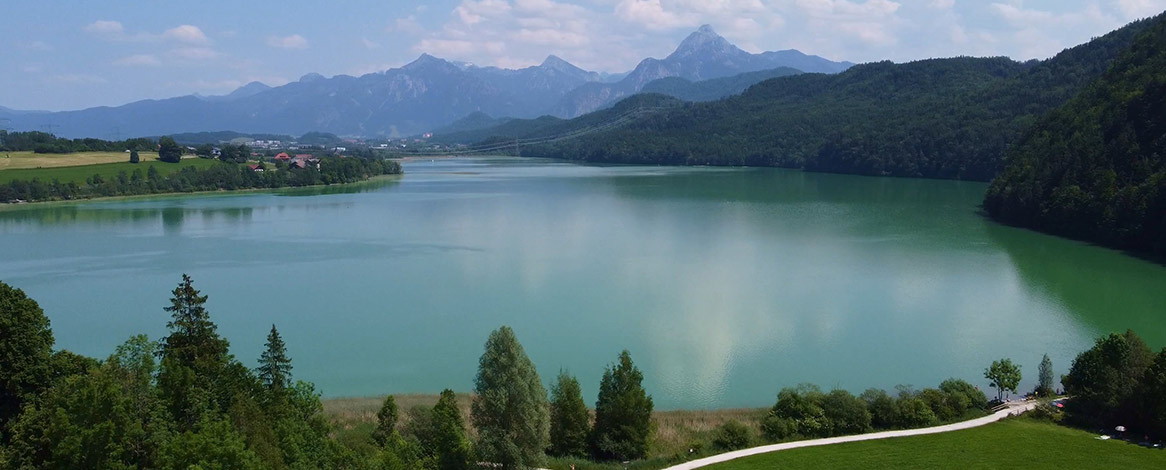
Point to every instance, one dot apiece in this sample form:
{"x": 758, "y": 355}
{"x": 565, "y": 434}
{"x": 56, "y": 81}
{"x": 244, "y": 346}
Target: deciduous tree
{"x": 1004, "y": 375}
{"x": 26, "y": 344}
{"x": 168, "y": 150}
{"x": 510, "y": 408}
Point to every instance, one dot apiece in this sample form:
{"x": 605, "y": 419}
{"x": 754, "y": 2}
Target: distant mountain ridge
{"x": 703, "y": 55}
{"x": 939, "y": 118}
{"x": 421, "y": 96}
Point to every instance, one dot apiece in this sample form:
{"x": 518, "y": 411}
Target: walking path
{"x": 1014, "y": 408}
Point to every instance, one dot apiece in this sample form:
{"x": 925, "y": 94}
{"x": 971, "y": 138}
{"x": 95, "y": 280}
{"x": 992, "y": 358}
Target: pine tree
{"x": 570, "y": 421}
{"x": 194, "y": 360}
{"x": 449, "y": 434}
{"x": 386, "y": 422}
{"x": 623, "y": 413}
{"x": 194, "y": 340}
{"x": 274, "y": 365}
{"x": 1045, "y": 372}
{"x": 510, "y": 405}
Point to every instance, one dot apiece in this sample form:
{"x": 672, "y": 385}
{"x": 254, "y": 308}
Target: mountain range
{"x": 938, "y": 118}
{"x": 422, "y": 96}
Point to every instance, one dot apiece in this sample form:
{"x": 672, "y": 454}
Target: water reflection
{"x": 725, "y": 284}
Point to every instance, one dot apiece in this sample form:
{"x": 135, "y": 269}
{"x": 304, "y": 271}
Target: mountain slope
{"x": 703, "y": 55}
{"x": 415, "y": 98}
{"x": 942, "y": 118}
{"x": 714, "y": 89}
{"x": 1095, "y": 168}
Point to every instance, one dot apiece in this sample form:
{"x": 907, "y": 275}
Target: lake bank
{"x": 179, "y": 195}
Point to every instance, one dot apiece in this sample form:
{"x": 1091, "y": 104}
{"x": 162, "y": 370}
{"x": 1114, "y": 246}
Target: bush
{"x": 732, "y": 436}
{"x": 845, "y": 413}
{"x": 884, "y": 413}
{"x": 914, "y": 413}
{"x": 775, "y": 428}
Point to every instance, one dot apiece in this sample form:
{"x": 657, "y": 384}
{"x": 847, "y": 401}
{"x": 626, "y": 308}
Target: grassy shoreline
{"x": 675, "y": 431}
{"x": 181, "y": 194}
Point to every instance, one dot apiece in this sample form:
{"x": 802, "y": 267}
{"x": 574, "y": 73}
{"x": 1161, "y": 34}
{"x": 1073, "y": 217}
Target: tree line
{"x": 44, "y": 142}
{"x": 185, "y": 401}
{"x": 224, "y": 176}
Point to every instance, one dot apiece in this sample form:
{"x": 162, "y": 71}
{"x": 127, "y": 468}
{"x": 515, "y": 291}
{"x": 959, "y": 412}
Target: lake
{"x": 724, "y": 284}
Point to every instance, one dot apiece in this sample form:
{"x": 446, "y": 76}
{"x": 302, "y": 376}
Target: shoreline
{"x": 175, "y": 195}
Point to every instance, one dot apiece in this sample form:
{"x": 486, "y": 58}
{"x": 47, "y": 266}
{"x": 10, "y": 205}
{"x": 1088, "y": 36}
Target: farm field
{"x": 79, "y": 173}
{"x": 26, "y": 160}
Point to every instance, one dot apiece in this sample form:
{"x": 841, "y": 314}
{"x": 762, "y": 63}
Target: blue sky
{"x": 57, "y": 54}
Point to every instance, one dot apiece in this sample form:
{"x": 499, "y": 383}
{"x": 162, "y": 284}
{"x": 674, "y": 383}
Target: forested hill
{"x": 1095, "y": 168}
{"x": 942, "y": 118}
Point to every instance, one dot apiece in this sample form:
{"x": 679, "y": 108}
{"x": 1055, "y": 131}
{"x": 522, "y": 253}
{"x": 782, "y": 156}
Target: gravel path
{"x": 1014, "y": 408}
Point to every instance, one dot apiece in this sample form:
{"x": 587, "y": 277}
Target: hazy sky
{"x": 58, "y": 54}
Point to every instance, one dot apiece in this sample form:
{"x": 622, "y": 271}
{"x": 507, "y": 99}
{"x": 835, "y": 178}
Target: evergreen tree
{"x": 194, "y": 340}
{"x": 570, "y": 421}
{"x": 386, "y": 422}
{"x": 134, "y": 158}
{"x": 1045, "y": 372}
{"x": 450, "y": 444}
{"x": 194, "y": 359}
{"x": 510, "y": 405}
{"x": 623, "y": 413}
{"x": 26, "y": 344}
{"x": 274, "y": 365}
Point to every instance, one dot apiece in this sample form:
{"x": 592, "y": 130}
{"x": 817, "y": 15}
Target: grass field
{"x": 1014, "y": 443}
{"x": 78, "y": 174}
{"x": 26, "y": 160}
{"x": 675, "y": 431}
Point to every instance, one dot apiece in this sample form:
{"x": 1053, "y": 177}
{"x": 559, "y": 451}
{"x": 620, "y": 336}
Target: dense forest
{"x": 222, "y": 176}
{"x": 941, "y": 118}
{"x": 43, "y": 142}
{"x": 1095, "y": 168}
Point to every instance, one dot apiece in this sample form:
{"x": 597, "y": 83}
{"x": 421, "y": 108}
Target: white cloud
{"x": 369, "y": 44}
{"x": 294, "y": 41}
{"x": 407, "y": 25}
{"x": 187, "y": 34}
{"x": 651, "y": 14}
{"x": 194, "y": 53}
{"x": 138, "y": 60}
{"x": 104, "y": 27}
{"x": 456, "y": 48}
{"x": 1134, "y": 9}
{"x": 942, "y": 4}
{"x": 37, "y": 46}
{"x": 79, "y": 78}
{"x": 31, "y": 68}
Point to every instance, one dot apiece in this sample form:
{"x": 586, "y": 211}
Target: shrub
{"x": 732, "y": 436}
{"x": 775, "y": 428}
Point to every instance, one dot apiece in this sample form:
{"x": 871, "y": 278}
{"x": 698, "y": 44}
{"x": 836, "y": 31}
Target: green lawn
{"x": 78, "y": 174}
{"x": 1015, "y": 443}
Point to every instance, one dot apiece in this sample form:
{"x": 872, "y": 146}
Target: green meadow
{"x": 78, "y": 174}
{"x": 1014, "y": 443}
